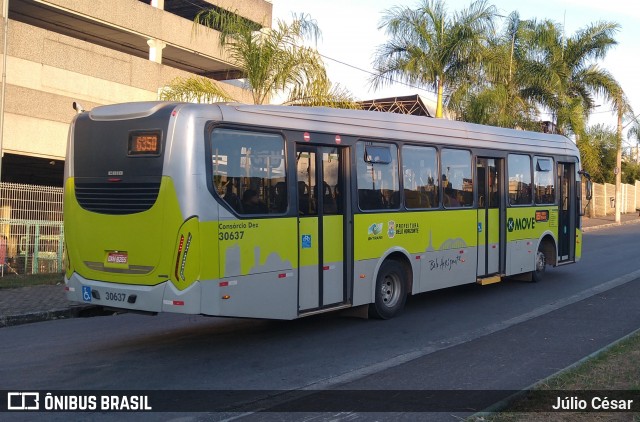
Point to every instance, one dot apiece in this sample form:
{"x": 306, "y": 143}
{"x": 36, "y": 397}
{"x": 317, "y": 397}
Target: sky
{"x": 350, "y": 36}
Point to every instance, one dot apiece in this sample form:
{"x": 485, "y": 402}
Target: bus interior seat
{"x": 280, "y": 195}
{"x": 370, "y": 199}
{"x": 233, "y": 201}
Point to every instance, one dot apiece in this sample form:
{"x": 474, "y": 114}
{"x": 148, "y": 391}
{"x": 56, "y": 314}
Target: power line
{"x": 635, "y": 119}
{"x": 390, "y": 79}
{"x": 373, "y": 74}
{"x": 603, "y": 111}
{"x": 324, "y": 56}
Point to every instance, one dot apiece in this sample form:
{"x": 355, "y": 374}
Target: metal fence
{"x": 31, "y": 230}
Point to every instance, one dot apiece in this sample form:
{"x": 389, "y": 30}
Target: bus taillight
{"x": 178, "y": 257}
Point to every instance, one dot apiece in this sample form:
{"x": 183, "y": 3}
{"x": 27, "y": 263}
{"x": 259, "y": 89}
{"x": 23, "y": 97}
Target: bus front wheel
{"x": 391, "y": 291}
{"x": 541, "y": 263}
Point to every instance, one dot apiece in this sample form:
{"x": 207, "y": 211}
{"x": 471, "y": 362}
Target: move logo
{"x": 525, "y": 223}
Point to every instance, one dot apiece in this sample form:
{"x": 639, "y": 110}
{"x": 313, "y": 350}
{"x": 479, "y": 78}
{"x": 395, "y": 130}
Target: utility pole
{"x": 5, "y": 13}
{"x": 618, "y": 170}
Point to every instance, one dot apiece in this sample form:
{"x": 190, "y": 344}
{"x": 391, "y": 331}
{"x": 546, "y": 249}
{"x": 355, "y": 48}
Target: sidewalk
{"x": 36, "y": 303}
{"x": 608, "y": 221}
{"x": 41, "y": 303}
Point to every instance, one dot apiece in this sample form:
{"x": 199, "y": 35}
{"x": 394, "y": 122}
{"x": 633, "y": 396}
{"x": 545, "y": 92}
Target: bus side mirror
{"x": 589, "y": 186}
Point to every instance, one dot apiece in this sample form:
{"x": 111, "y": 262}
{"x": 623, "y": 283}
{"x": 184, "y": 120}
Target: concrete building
{"x": 97, "y": 52}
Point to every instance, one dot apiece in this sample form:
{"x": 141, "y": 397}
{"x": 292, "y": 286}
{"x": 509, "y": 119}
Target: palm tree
{"x": 598, "y": 149}
{"x": 498, "y": 97}
{"x": 599, "y": 143}
{"x": 633, "y": 134}
{"x": 271, "y": 60}
{"x": 564, "y": 76}
{"x": 430, "y": 47}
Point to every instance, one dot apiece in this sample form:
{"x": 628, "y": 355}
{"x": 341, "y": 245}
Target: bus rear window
{"x": 248, "y": 170}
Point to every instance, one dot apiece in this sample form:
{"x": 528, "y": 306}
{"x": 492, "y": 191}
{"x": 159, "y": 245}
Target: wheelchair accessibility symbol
{"x": 86, "y": 293}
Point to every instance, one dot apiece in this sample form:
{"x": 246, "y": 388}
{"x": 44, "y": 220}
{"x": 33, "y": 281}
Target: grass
{"x": 616, "y": 369}
{"x": 10, "y": 281}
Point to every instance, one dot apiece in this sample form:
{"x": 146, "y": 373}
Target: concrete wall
{"x": 47, "y": 71}
{"x": 601, "y": 203}
{"x": 138, "y": 17}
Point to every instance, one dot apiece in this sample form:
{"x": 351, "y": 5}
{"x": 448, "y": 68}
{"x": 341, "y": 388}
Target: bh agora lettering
{"x": 36, "y": 401}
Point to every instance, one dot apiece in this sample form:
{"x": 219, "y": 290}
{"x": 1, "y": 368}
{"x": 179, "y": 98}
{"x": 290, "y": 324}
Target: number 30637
{"x": 115, "y": 297}
{"x": 231, "y": 235}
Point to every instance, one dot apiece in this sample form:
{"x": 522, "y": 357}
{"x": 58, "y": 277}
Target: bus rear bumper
{"x": 162, "y": 297}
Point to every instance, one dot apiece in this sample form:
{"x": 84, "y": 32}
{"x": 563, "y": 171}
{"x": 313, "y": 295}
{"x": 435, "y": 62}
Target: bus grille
{"x": 116, "y": 198}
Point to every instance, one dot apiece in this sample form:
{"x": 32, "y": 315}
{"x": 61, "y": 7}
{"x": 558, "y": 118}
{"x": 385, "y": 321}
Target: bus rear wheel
{"x": 391, "y": 291}
{"x": 541, "y": 263}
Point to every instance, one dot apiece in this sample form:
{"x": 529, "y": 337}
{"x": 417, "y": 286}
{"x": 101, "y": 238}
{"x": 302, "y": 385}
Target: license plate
{"x": 117, "y": 258}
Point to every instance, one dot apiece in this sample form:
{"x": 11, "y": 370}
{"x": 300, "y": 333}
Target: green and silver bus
{"x": 283, "y": 212}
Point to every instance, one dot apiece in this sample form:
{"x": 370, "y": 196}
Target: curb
{"x": 604, "y": 226}
{"x": 72, "y": 312}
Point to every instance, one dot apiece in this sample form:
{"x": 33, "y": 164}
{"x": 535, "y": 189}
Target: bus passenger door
{"x": 490, "y": 193}
{"x": 567, "y": 214}
{"x": 320, "y": 194}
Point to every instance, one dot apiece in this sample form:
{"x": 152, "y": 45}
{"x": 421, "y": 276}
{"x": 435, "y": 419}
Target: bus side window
{"x": 280, "y": 197}
{"x": 249, "y": 165}
{"x": 420, "y": 167}
{"x": 457, "y": 182}
{"x": 544, "y": 181}
{"x": 519, "y": 167}
{"x": 378, "y": 178}
{"x": 231, "y": 198}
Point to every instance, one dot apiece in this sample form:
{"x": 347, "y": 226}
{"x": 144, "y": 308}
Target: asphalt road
{"x": 444, "y": 340}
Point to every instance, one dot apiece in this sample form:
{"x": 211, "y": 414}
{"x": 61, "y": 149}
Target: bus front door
{"x": 321, "y": 205}
{"x": 567, "y": 217}
{"x": 490, "y": 193}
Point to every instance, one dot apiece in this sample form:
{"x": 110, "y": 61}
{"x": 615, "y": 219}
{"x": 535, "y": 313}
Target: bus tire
{"x": 390, "y": 291}
{"x": 541, "y": 263}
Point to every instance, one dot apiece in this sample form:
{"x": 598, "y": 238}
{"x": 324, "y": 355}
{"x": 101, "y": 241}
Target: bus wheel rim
{"x": 390, "y": 290}
{"x": 540, "y": 262}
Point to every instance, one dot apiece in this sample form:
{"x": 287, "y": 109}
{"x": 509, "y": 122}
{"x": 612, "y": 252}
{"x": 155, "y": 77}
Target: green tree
{"x": 498, "y": 97}
{"x": 630, "y": 172}
{"x": 273, "y": 62}
{"x": 564, "y": 75}
{"x": 429, "y": 47}
{"x": 598, "y": 149}
{"x": 633, "y": 134}
{"x": 631, "y": 168}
